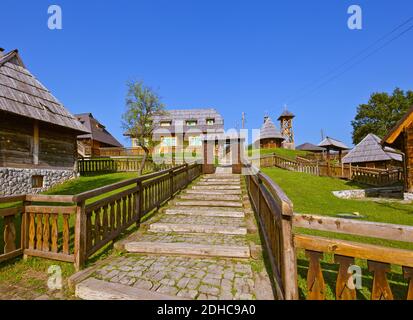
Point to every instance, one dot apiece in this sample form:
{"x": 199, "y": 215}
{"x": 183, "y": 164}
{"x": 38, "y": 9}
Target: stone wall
{"x": 19, "y": 181}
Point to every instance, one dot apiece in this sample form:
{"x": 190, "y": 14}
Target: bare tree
{"x": 142, "y": 104}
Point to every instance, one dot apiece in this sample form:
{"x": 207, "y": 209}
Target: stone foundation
{"x": 20, "y": 181}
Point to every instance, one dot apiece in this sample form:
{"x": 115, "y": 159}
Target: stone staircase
{"x": 195, "y": 217}
{"x": 194, "y": 248}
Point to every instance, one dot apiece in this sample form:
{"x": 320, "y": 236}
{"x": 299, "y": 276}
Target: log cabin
{"x": 89, "y": 144}
{"x": 400, "y": 137}
{"x": 38, "y": 146}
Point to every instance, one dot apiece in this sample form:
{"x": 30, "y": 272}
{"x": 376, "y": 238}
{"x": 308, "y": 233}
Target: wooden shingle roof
{"x": 98, "y": 131}
{"x": 371, "y": 150}
{"x": 310, "y": 147}
{"x": 333, "y": 144}
{"x": 22, "y": 94}
{"x": 270, "y": 131}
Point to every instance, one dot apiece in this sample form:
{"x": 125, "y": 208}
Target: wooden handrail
{"x": 355, "y": 227}
{"x": 355, "y": 250}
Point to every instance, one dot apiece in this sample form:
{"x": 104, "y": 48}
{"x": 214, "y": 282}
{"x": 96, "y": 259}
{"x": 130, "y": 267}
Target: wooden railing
{"x": 377, "y": 177}
{"x": 121, "y": 152}
{"x": 379, "y": 258}
{"x": 93, "y": 166}
{"x": 72, "y": 228}
{"x": 274, "y": 212}
{"x": 370, "y": 176}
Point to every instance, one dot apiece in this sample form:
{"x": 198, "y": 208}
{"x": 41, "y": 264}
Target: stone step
{"x": 207, "y": 187}
{"x": 210, "y": 197}
{"x": 209, "y": 203}
{"x": 207, "y": 191}
{"x": 223, "y": 175}
{"x": 95, "y": 289}
{"x": 197, "y": 228}
{"x": 188, "y": 249}
{"x": 206, "y": 212}
{"x": 219, "y": 180}
{"x": 218, "y": 183}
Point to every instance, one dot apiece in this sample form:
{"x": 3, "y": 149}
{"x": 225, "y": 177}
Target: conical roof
{"x": 269, "y": 130}
{"x": 371, "y": 150}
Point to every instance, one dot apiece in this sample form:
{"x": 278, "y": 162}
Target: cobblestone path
{"x": 199, "y": 247}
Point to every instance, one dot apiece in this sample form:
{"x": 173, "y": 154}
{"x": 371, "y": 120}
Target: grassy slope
{"x": 311, "y": 194}
{"x": 291, "y": 154}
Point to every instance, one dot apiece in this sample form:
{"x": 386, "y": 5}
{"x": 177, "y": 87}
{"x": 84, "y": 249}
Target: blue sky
{"x": 233, "y": 55}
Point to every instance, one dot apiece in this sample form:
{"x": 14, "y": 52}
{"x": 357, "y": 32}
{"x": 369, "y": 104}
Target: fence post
{"x": 171, "y": 182}
{"x": 139, "y": 203}
{"x": 80, "y": 236}
{"x": 187, "y": 174}
{"x": 25, "y": 228}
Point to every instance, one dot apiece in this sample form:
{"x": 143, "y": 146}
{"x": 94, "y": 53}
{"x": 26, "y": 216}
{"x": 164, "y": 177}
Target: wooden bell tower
{"x": 286, "y": 125}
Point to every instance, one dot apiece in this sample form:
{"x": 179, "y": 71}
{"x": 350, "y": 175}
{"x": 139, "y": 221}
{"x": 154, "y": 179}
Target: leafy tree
{"x": 381, "y": 113}
{"x": 142, "y": 104}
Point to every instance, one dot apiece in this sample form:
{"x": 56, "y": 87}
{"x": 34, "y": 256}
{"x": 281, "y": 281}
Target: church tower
{"x": 286, "y": 125}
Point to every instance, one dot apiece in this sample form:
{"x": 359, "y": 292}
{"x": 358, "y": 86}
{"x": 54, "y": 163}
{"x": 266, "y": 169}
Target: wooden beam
{"x": 357, "y": 250}
{"x": 360, "y": 228}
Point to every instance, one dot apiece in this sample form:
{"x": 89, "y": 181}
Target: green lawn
{"x": 312, "y": 195}
{"x": 291, "y": 154}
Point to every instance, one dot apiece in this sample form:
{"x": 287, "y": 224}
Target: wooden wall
{"x": 270, "y": 143}
{"x": 56, "y": 146}
{"x": 16, "y": 140}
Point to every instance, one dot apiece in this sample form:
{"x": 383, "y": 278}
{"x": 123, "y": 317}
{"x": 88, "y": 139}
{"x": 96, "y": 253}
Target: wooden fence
{"x": 121, "y": 152}
{"x": 369, "y": 176}
{"x": 72, "y": 228}
{"x": 379, "y": 258}
{"x": 274, "y": 212}
{"x": 94, "y": 166}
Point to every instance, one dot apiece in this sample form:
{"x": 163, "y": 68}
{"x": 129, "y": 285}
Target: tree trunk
{"x": 145, "y": 156}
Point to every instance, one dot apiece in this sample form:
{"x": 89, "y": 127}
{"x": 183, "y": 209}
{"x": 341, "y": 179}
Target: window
{"x": 166, "y": 123}
{"x": 191, "y": 123}
{"x": 195, "y": 141}
{"x": 37, "y": 182}
{"x": 210, "y": 122}
{"x": 168, "y": 141}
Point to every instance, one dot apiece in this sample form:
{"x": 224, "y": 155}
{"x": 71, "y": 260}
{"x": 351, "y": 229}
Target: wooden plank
{"x": 81, "y": 234}
{"x": 354, "y": 227}
{"x": 51, "y": 209}
{"x": 11, "y": 255}
{"x": 381, "y": 288}
{"x": 49, "y": 198}
{"x": 343, "y": 292}
{"x": 16, "y": 198}
{"x": 357, "y": 250}
{"x": 11, "y": 211}
{"x": 50, "y": 255}
{"x": 315, "y": 279}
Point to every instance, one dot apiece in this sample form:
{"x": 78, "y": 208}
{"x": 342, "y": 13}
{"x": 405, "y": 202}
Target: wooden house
{"x": 270, "y": 137}
{"x": 89, "y": 144}
{"x": 401, "y": 138}
{"x": 370, "y": 153}
{"x": 38, "y": 145}
{"x": 183, "y": 129}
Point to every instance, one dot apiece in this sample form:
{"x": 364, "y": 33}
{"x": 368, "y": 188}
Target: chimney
{"x": 1, "y": 52}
